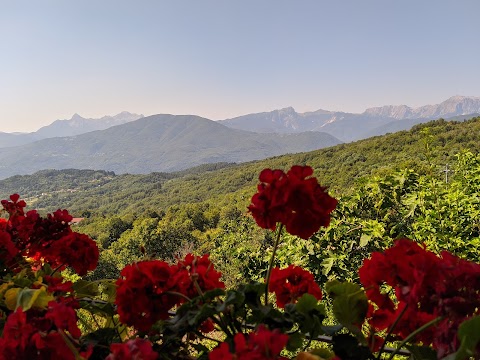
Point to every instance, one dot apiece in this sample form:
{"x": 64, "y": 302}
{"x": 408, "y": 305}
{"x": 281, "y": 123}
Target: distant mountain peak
{"x": 77, "y": 117}
{"x": 287, "y": 110}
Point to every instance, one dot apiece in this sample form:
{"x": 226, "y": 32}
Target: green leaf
{"x": 346, "y": 346}
{"x": 38, "y": 298}
{"x": 332, "y": 329}
{"x": 422, "y": 352}
{"x": 295, "y": 341}
{"x": 350, "y": 305}
{"x": 327, "y": 265}
{"x": 85, "y": 288}
{"x": 309, "y": 314}
{"x": 364, "y": 240}
{"x": 233, "y": 297}
{"x": 307, "y": 303}
{"x": 469, "y": 335}
{"x": 109, "y": 289}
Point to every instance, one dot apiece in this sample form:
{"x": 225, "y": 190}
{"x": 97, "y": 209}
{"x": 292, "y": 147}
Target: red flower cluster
{"x": 201, "y": 270}
{"x": 47, "y": 240}
{"x": 294, "y": 199}
{"x": 261, "y": 345}
{"x": 147, "y": 290}
{"x": 137, "y": 349}
{"x": 426, "y": 287}
{"x": 36, "y": 334}
{"x": 291, "y": 283}
{"x": 14, "y": 207}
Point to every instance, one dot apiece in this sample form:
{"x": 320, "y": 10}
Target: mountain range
{"x": 75, "y": 126}
{"x": 342, "y": 125}
{"x": 351, "y": 127}
{"x": 131, "y": 143}
{"x": 155, "y": 143}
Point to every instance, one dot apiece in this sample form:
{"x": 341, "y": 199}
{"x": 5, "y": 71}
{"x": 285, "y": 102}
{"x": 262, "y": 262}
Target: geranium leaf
{"x": 422, "y": 353}
{"x": 469, "y": 335}
{"x": 85, "y": 288}
{"x": 350, "y": 305}
{"x": 29, "y": 298}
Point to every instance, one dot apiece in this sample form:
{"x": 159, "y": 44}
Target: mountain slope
{"x": 16, "y": 139}
{"x": 155, "y": 143}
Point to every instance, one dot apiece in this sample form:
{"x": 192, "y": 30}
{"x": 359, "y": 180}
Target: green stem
{"x": 413, "y": 334}
{"x": 176, "y": 293}
{"x": 203, "y": 336}
{"x": 389, "y": 333}
{"x": 270, "y": 265}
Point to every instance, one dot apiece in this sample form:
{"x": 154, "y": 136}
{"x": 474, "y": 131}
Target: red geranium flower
{"x": 75, "y": 250}
{"x": 291, "y": 283}
{"x": 34, "y": 335}
{"x": 8, "y": 250}
{"x": 197, "y": 269}
{"x": 141, "y": 293}
{"x": 294, "y": 199}
{"x": 427, "y": 287}
{"x": 14, "y": 207}
{"x": 137, "y": 349}
{"x": 260, "y": 345}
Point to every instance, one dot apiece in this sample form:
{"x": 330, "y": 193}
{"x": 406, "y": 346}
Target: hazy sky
{"x": 221, "y": 58}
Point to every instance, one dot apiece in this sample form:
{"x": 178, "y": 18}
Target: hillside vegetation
{"x": 388, "y": 187}
{"x": 338, "y": 167}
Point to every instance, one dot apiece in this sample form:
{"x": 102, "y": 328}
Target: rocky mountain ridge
{"x": 349, "y": 126}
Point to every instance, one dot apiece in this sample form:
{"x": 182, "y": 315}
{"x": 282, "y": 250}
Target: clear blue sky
{"x": 220, "y": 58}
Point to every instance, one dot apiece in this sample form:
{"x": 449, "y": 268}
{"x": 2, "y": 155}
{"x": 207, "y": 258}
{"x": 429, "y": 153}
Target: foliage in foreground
{"x": 410, "y": 296}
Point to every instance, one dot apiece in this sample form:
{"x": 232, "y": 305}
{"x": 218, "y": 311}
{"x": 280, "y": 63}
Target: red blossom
{"x": 8, "y": 250}
{"x": 141, "y": 293}
{"x": 75, "y": 250}
{"x": 147, "y": 290}
{"x": 196, "y": 270}
{"x": 45, "y": 240}
{"x": 57, "y": 284}
{"x": 35, "y": 335}
{"x": 291, "y": 283}
{"x": 137, "y": 349}
{"x": 63, "y": 317}
{"x": 260, "y": 345}
{"x": 14, "y": 207}
{"x": 294, "y": 199}
{"x": 426, "y": 287}
{"x": 207, "y": 326}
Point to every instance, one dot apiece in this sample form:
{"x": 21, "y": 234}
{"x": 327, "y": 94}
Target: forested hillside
{"x": 338, "y": 167}
{"x": 388, "y": 188}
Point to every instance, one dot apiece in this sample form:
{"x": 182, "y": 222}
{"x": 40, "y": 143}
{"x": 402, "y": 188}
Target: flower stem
{"x": 390, "y": 331}
{"x": 413, "y": 334}
{"x": 272, "y": 259}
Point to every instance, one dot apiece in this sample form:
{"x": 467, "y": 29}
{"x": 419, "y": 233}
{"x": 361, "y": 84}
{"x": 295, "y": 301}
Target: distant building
{"x": 76, "y": 221}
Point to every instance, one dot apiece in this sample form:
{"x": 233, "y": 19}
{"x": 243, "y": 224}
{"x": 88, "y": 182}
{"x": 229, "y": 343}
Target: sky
{"x": 221, "y": 58}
